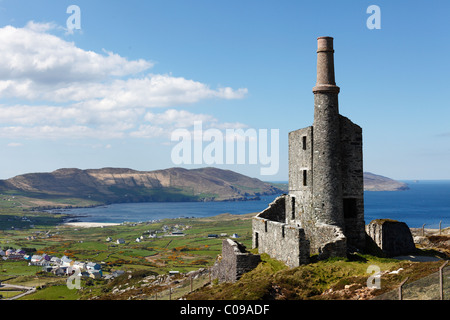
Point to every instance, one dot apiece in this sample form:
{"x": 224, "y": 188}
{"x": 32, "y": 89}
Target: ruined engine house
{"x": 324, "y": 210}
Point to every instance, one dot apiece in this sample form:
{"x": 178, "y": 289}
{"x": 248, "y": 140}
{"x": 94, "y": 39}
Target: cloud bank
{"x": 51, "y": 89}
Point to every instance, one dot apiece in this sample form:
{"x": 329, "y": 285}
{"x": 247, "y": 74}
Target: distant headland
{"x": 73, "y": 187}
{"x": 373, "y": 182}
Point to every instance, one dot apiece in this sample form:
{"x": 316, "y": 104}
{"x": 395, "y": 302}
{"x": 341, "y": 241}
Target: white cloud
{"x": 14, "y": 144}
{"x": 67, "y": 92}
{"x": 177, "y": 118}
{"x": 31, "y": 53}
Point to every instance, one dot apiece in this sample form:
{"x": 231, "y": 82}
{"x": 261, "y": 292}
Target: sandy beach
{"x": 90, "y": 224}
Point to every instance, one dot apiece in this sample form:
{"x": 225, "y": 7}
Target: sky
{"x": 127, "y": 83}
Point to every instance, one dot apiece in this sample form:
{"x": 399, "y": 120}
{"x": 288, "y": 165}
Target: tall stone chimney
{"x": 327, "y": 186}
{"x": 325, "y": 66}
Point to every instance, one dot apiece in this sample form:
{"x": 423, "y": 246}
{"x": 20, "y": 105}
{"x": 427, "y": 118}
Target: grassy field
{"x": 54, "y": 292}
{"x": 157, "y": 255}
{"x": 164, "y": 253}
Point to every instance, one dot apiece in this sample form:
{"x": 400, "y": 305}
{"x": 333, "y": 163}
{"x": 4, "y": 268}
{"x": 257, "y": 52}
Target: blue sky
{"x": 111, "y": 93}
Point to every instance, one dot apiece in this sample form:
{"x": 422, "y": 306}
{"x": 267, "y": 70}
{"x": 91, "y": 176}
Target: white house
{"x": 35, "y": 259}
{"x": 120, "y": 241}
{"x": 66, "y": 262}
{"x": 55, "y": 261}
{"x": 109, "y": 239}
{"x": 79, "y": 265}
{"x": 91, "y": 266}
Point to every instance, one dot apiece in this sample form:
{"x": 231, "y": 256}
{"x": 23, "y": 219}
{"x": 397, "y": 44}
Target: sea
{"x": 426, "y": 202}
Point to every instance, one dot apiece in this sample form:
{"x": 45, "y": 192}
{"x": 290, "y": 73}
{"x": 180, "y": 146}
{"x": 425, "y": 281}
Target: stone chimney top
{"x": 325, "y": 67}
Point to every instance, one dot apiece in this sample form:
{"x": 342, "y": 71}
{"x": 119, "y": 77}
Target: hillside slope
{"x": 374, "y": 182}
{"x": 111, "y": 185}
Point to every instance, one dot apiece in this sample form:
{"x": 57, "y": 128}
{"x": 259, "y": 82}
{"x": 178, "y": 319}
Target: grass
{"x": 55, "y": 292}
{"x": 187, "y": 253}
{"x": 273, "y": 280}
{"x": 270, "y": 280}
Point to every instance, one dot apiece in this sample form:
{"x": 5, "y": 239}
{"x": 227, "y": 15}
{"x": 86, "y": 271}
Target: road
{"x": 12, "y": 286}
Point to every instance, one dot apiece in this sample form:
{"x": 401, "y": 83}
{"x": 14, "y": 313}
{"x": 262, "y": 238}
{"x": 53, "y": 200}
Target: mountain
{"x": 118, "y": 185}
{"x": 374, "y": 182}
{"x": 76, "y": 187}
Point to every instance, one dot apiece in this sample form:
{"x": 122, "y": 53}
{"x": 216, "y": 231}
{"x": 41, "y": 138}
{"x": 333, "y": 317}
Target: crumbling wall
{"x": 333, "y": 241}
{"x": 276, "y": 210}
{"x": 284, "y": 242}
{"x": 392, "y": 237}
{"x": 234, "y": 262}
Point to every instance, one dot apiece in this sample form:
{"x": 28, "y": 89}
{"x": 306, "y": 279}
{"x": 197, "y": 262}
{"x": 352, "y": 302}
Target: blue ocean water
{"x": 426, "y": 202}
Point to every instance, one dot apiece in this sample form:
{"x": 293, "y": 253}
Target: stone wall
{"x": 333, "y": 241}
{"x": 276, "y": 210}
{"x": 234, "y": 262}
{"x": 352, "y": 182}
{"x": 392, "y": 237}
{"x": 300, "y": 177}
{"x": 281, "y": 241}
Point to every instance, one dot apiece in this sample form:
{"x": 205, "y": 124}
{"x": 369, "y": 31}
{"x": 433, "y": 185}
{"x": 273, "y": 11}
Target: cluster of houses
{"x": 118, "y": 241}
{"x": 12, "y": 254}
{"x": 58, "y": 266}
{"x": 175, "y": 230}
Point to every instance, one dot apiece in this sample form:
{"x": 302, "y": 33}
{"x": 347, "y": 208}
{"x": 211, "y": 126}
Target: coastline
{"x": 90, "y": 224}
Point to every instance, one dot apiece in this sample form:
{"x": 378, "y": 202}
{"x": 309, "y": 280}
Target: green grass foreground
{"x": 322, "y": 280}
{"x": 337, "y": 278}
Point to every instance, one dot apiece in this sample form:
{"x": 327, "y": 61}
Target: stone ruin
{"x": 392, "y": 238}
{"x": 234, "y": 261}
{"x": 323, "y": 213}
{"x": 324, "y": 210}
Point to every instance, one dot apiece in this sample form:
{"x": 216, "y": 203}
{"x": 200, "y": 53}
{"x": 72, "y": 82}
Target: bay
{"x": 426, "y": 202}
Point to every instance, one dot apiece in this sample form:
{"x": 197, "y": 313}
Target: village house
{"x": 66, "y": 262}
{"x": 59, "y": 271}
{"x": 12, "y": 254}
{"x": 92, "y": 266}
{"x": 177, "y": 233}
{"x": 95, "y": 274}
{"x": 55, "y": 261}
{"x": 79, "y": 265}
{"x": 35, "y": 259}
{"x": 114, "y": 274}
